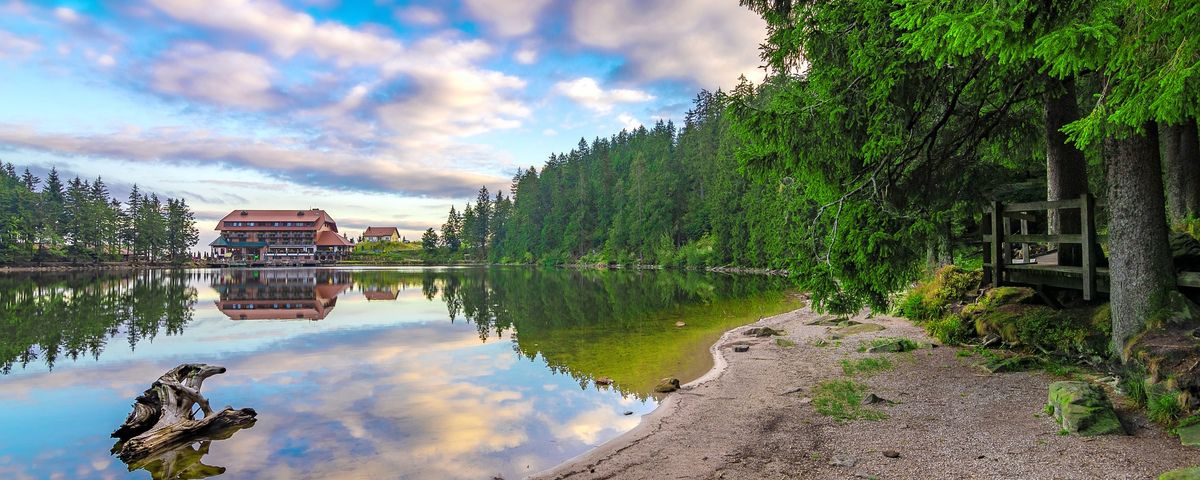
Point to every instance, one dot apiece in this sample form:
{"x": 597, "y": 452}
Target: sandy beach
{"x": 752, "y": 417}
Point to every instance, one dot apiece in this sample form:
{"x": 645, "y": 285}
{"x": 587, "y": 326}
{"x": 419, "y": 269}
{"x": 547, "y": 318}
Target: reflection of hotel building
{"x": 294, "y": 236}
{"x": 279, "y": 294}
{"x": 381, "y": 293}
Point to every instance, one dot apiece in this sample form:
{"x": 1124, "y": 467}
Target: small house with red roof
{"x": 289, "y": 236}
{"x": 381, "y": 234}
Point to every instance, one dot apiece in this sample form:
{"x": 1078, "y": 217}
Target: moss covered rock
{"x": 1189, "y": 473}
{"x": 667, "y": 385}
{"x": 859, "y": 328}
{"x": 1044, "y": 329}
{"x": 1083, "y": 408}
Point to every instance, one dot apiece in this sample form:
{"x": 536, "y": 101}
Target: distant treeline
{"x": 79, "y": 222}
{"x": 664, "y": 195}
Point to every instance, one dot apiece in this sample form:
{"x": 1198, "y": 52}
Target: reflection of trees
{"x": 577, "y": 320}
{"x": 51, "y": 315}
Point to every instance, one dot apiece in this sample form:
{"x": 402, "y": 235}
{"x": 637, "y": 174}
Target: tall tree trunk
{"x": 1181, "y": 154}
{"x": 1141, "y": 268}
{"x": 1066, "y": 169}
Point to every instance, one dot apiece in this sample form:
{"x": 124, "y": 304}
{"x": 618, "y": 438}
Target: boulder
{"x": 680, "y": 324}
{"x": 763, "y": 332}
{"x": 604, "y": 381}
{"x": 1185, "y": 250}
{"x": 893, "y": 345}
{"x": 741, "y": 348}
{"x": 667, "y": 385}
{"x": 1083, "y": 408}
{"x": 859, "y": 328}
{"x": 1189, "y": 473}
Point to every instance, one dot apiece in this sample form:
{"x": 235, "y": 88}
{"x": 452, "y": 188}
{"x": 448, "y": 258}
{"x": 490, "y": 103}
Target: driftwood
{"x": 164, "y": 416}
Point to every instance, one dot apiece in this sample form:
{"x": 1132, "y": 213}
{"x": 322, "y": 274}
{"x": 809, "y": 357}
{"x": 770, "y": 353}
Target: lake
{"x": 440, "y": 373}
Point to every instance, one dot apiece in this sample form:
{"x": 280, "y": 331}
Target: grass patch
{"x": 785, "y": 343}
{"x": 867, "y": 366}
{"x": 1164, "y": 408}
{"x": 842, "y": 400}
{"x": 964, "y": 352}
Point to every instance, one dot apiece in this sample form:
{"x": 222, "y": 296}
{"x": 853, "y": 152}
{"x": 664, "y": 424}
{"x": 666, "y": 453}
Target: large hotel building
{"x": 279, "y": 236}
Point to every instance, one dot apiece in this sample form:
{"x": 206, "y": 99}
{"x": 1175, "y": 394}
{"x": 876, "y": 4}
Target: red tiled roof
{"x": 316, "y": 215}
{"x": 332, "y": 239}
{"x": 380, "y": 231}
{"x": 381, "y": 295}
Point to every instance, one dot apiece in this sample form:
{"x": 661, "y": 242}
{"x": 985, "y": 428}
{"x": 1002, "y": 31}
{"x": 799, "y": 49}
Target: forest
{"x": 49, "y": 221}
{"x": 871, "y": 150}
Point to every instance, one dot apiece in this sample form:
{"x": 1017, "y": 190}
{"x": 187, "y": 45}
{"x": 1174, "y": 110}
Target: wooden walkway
{"x": 1002, "y": 268}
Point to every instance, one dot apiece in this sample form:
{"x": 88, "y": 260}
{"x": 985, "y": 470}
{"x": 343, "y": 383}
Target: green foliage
{"x": 1190, "y": 226}
{"x": 930, "y": 299}
{"x": 842, "y": 400}
{"x": 81, "y": 222}
{"x": 950, "y": 329}
{"x": 1040, "y": 328}
{"x": 1163, "y": 406}
{"x": 866, "y": 366}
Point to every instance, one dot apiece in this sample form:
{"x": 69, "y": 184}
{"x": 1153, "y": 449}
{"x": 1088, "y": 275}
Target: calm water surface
{"x": 438, "y": 373}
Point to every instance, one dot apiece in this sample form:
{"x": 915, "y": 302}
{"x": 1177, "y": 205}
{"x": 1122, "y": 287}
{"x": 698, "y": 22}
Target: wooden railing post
{"x": 1087, "y": 215}
{"x": 997, "y": 245}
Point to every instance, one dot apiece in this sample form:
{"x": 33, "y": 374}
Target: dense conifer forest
{"x": 875, "y": 144}
{"x": 79, "y": 221}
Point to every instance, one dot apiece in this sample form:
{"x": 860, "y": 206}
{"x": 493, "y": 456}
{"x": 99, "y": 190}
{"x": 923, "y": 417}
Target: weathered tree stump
{"x": 164, "y": 416}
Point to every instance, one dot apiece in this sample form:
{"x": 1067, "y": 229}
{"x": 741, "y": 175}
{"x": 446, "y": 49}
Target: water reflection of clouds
{"x": 422, "y": 401}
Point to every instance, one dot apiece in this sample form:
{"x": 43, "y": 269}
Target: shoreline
{"x": 665, "y": 409}
{"x": 752, "y": 416}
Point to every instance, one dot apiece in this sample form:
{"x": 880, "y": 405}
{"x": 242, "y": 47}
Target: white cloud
{"x": 526, "y": 56}
{"x": 709, "y": 43}
{"x": 418, "y": 15}
{"x": 586, "y": 91}
{"x": 508, "y": 18}
{"x": 66, "y": 14}
{"x": 106, "y": 60}
{"x": 230, "y": 78}
{"x": 628, "y": 122}
{"x": 550, "y": 132}
{"x": 13, "y": 45}
{"x": 410, "y": 172}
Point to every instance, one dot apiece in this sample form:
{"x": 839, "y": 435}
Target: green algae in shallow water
{"x": 641, "y": 353}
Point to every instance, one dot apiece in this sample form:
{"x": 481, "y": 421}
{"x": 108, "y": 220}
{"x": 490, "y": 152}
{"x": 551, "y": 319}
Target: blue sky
{"x": 382, "y": 112}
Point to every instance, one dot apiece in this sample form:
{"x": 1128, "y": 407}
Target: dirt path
{"x": 952, "y": 420}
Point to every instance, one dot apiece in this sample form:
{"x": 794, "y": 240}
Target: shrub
{"x": 931, "y": 299}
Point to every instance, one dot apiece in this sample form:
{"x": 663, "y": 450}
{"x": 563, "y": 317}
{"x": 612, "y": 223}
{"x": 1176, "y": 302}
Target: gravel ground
{"x": 951, "y": 420}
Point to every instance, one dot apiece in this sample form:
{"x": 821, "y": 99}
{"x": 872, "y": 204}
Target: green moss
{"x": 866, "y": 366}
{"x": 842, "y": 400}
{"x": 785, "y": 343}
{"x": 893, "y": 344}
{"x": 1189, "y": 473}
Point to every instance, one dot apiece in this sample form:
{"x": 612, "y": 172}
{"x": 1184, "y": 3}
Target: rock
{"x": 859, "y": 328}
{"x": 1189, "y": 473}
{"x": 741, "y": 348}
{"x": 1185, "y": 250}
{"x": 628, "y": 413}
{"x": 1083, "y": 408}
{"x": 826, "y": 322}
{"x": 1189, "y": 436}
{"x": 667, "y": 385}
{"x": 871, "y": 399}
{"x": 763, "y": 332}
{"x": 604, "y": 381}
{"x": 680, "y": 324}
{"x": 805, "y": 401}
{"x": 891, "y": 454}
{"x": 843, "y": 461}
{"x": 894, "y": 345}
